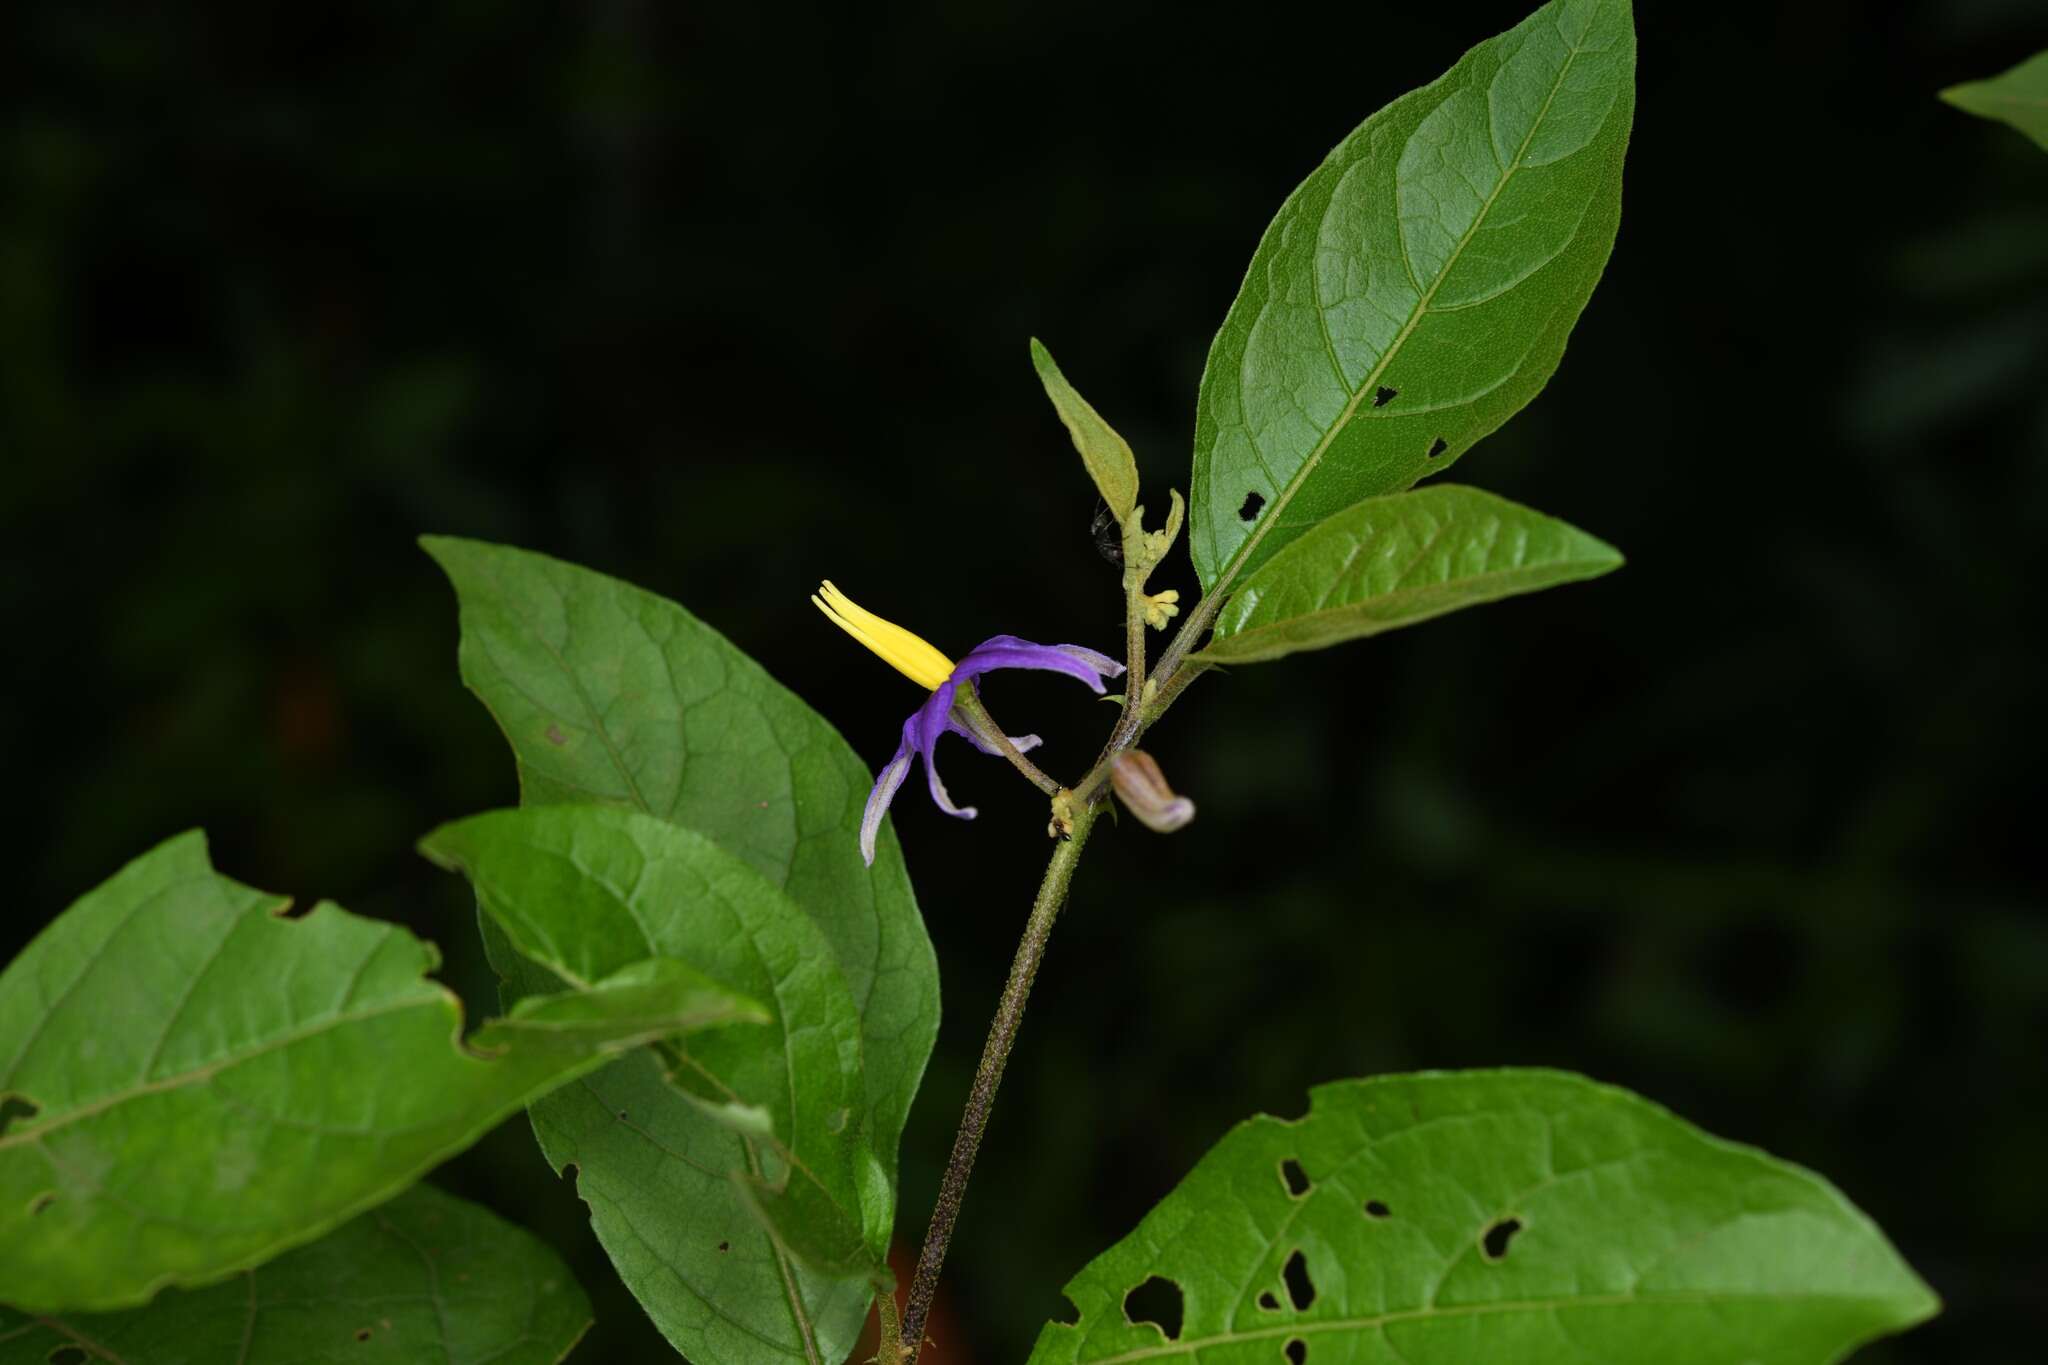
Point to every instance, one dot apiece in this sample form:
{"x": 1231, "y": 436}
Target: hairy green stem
{"x": 981, "y": 1097}
{"x": 1134, "y": 644}
{"x": 1172, "y": 676}
{"x": 902, "y": 1340}
{"x": 1136, "y": 568}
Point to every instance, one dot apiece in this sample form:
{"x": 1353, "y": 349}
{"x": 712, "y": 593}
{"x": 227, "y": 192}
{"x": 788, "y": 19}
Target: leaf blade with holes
{"x": 2018, "y": 97}
{"x": 1396, "y": 560}
{"x": 425, "y": 1277}
{"x": 1637, "y": 1237}
{"x": 213, "y": 1084}
{"x": 1106, "y": 454}
{"x": 1418, "y": 288}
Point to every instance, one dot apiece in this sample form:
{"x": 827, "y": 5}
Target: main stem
{"x": 1002, "y": 1032}
{"x": 902, "y": 1341}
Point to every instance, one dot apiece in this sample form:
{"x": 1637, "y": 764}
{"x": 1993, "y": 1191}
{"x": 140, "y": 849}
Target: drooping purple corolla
{"x": 918, "y": 661}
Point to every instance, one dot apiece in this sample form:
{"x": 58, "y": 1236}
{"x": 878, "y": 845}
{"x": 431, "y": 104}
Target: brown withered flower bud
{"x": 1135, "y": 775}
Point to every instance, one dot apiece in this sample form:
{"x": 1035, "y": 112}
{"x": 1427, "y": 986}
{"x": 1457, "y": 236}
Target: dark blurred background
{"x": 723, "y": 299}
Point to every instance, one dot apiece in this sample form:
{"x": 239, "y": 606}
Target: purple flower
{"x": 929, "y": 668}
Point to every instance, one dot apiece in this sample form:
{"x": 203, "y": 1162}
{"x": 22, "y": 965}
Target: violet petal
{"x": 932, "y": 720}
{"x": 935, "y": 719}
{"x": 1024, "y": 743}
{"x": 1007, "y": 651}
{"x": 1095, "y": 659}
{"x": 884, "y": 791}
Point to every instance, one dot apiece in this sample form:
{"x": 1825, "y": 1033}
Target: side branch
{"x": 1170, "y": 678}
{"x": 967, "y": 701}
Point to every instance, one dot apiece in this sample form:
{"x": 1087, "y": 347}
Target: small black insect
{"x": 1109, "y": 537}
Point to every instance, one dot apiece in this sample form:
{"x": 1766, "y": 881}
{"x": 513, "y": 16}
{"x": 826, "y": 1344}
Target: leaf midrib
{"x": 1986, "y": 96}
{"x": 1546, "y": 1305}
{"x": 799, "y": 1315}
{"x": 1415, "y": 317}
{"x": 197, "y": 1075}
{"x": 1399, "y": 595}
{"x": 792, "y": 1293}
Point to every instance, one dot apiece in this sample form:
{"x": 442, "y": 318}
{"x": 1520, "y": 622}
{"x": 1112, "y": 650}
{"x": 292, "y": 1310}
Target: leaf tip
{"x": 437, "y": 846}
{"x": 1048, "y": 370}
{"x": 448, "y": 551}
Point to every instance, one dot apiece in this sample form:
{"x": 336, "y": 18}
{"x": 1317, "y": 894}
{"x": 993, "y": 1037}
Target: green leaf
{"x": 2019, "y": 97}
{"x": 1107, "y": 455}
{"x": 708, "y": 1198}
{"x": 581, "y": 890}
{"x": 1525, "y": 1216}
{"x": 609, "y": 693}
{"x": 1396, "y": 560}
{"x": 1416, "y": 290}
{"x": 212, "y": 1084}
{"x": 426, "y": 1277}
{"x": 695, "y": 1253}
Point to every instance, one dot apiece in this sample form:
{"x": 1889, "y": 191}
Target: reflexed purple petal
{"x": 1007, "y": 651}
{"x": 1025, "y": 743}
{"x": 1095, "y": 659}
{"x": 932, "y": 720}
{"x": 886, "y": 782}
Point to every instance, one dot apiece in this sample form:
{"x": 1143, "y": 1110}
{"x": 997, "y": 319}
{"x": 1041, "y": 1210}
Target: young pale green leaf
{"x": 1525, "y": 1216}
{"x": 2018, "y": 97}
{"x": 210, "y": 1084}
{"x": 1107, "y": 455}
{"x": 1417, "y": 290}
{"x": 608, "y": 693}
{"x": 710, "y": 1194}
{"x": 1396, "y": 560}
{"x": 426, "y": 1277}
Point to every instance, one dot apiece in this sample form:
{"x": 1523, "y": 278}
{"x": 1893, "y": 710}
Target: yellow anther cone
{"x": 908, "y": 654}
